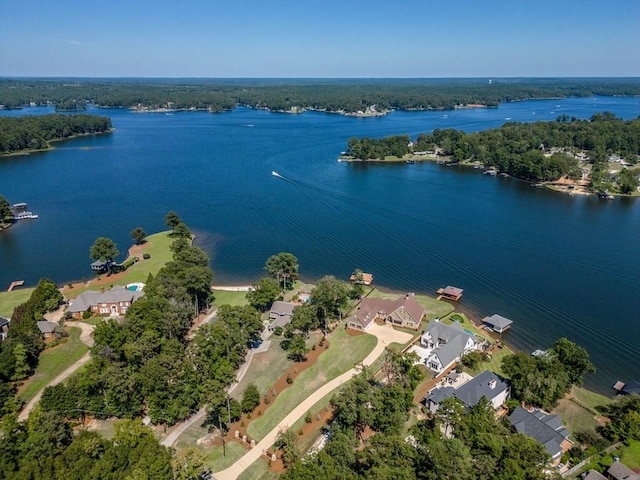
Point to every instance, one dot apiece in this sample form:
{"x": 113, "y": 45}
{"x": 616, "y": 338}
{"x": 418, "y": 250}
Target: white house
{"x": 445, "y": 344}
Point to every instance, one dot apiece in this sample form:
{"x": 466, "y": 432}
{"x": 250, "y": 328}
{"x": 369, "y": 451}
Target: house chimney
{"x": 492, "y": 383}
{"x": 101, "y": 289}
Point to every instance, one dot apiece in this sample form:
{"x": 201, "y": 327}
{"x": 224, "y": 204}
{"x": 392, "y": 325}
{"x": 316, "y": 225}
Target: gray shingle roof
{"x": 540, "y": 426}
{"x": 46, "y": 326}
{"x": 83, "y": 302}
{"x": 497, "y": 321}
{"x": 3, "y": 321}
{"x": 620, "y": 471}
{"x": 481, "y": 386}
{"x": 452, "y": 339}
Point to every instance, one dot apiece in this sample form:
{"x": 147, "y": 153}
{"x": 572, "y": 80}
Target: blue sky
{"x": 328, "y": 38}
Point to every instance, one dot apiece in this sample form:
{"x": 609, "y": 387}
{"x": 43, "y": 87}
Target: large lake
{"x": 555, "y": 264}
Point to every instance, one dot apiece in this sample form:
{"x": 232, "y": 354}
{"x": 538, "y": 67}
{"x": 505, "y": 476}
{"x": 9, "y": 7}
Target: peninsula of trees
{"x": 347, "y": 96}
{"x": 35, "y": 132}
{"x": 539, "y": 152}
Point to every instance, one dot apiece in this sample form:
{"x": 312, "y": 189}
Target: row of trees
{"x": 518, "y": 148}
{"x": 35, "y": 132}
{"x": 367, "y": 440}
{"x": 278, "y": 95}
{"x": 6, "y": 214}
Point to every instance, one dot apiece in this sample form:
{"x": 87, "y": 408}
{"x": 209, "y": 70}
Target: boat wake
{"x": 276, "y": 174}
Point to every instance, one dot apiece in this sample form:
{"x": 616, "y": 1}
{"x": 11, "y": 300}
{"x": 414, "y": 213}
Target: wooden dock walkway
{"x": 17, "y": 283}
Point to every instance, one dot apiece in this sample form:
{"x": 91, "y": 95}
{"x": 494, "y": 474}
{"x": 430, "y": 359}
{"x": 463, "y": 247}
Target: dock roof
{"x": 497, "y": 321}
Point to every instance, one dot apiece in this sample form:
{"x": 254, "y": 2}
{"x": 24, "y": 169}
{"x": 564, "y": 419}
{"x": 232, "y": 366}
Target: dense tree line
{"x": 45, "y": 448}
{"x": 280, "y": 95}
{"x": 6, "y": 214}
{"x": 35, "y": 132}
{"x": 20, "y": 351}
{"x": 147, "y": 364}
{"x": 519, "y": 148}
{"x": 543, "y": 380}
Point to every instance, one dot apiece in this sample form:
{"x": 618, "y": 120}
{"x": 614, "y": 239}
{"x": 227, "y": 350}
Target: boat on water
{"x": 605, "y": 196}
{"x": 493, "y": 173}
{"x": 276, "y": 174}
{"x": 19, "y": 206}
{"x": 26, "y": 216}
{"x": 411, "y": 161}
{"x": 537, "y": 185}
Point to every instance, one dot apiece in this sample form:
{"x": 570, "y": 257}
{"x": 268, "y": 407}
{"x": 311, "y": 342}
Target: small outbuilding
{"x": 46, "y": 328}
{"x": 450, "y": 293}
{"x": 361, "y": 278}
{"x": 497, "y": 323}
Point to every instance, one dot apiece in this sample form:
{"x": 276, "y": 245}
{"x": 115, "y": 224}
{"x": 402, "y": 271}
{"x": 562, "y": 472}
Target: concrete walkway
{"x": 385, "y": 335}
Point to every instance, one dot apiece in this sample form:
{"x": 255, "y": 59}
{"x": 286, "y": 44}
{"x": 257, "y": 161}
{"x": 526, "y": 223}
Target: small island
{"x": 596, "y": 156}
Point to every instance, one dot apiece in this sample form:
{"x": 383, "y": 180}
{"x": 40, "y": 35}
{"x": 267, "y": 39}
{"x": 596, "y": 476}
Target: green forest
{"x": 33, "y": 132}
{"x": 540, "y": 151}
{"x": 331, "y": 95}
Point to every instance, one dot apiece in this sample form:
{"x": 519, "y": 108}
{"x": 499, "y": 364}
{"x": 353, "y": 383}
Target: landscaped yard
{"x": 217, "y": 461}
{"x": 345, "y": 352}
{"x": 576, "y": 418}
{"x": 224, "y": 297}
{"x": 10, "y": 300}
{"x": 259, "y": 470}
{"x": 434, "y": 308}
{"x": 631, "y": 454}
{"x": 53, "y": 362}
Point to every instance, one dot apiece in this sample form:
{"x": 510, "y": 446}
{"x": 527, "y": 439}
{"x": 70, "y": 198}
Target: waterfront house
{"x": 403, "y": 312}
{"x": 115, "y": 301}
{"x": 450, "y": 293}
{"x": 486, "y": 384}
{"x": 497, "y": 323}
{"x": 444, "y": 344}
{"x": 547, "y": 429}
{"x": 100, "y": 266}
{"x": 281, "y": 314}
{"x": 46, "y": 328}
{"x": 619, "y": 471}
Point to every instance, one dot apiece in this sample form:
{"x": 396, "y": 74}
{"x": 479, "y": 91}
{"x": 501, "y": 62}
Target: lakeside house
{"x": 450, "y": 293}
{"x": 115, "y": 301}
{"x": 497, "y": 323}
{"x": 442, "y": 345}
{"x": 545, "y": 428}
{"x": 281, "y": 314}
{"x": 403, "y": 312}
{"x": 486, "y": 384}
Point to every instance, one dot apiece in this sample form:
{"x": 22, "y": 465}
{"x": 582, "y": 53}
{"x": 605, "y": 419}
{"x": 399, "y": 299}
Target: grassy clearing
{"x": 53, "y": 362}
{"x": 345, "y": 352}
{"x": 235, "y": 299}
{"x": 631, "y": 454}
{"x": 10, "y": 300}
{"x": 216, "y": 461}
{"x": 106, "y": 428}
{"x": 258, "y": 470}
{"x": 265, "y": 369}
{"x": 190, "y": 436}
{"x": 307, "y": 442}
{"x": 590, "y": 399}
{"x": 576, "y": 418}
{"x": 493, "y": 365}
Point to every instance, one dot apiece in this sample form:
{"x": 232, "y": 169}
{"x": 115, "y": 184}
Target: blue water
{"x": 556, "y": 265}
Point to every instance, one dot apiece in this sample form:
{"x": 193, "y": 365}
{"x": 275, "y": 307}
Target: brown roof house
{"x": 403, "y": 312}
{"x": 115, "y": 301}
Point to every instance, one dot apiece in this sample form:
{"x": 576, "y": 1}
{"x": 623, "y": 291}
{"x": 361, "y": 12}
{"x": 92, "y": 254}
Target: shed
{"x": 450, "y": 293}
{"x": 46, "y": 327}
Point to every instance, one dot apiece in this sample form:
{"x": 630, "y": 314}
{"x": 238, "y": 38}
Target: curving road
{"x": 385, "y": 335}
{"x": 87, "y": 339}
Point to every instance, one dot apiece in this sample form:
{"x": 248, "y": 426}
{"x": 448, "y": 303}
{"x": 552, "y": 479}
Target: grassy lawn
{"x": 266, "y": 368}
{"x": 631, "y": 454}
{"x": 345, "y": 352}
{"x": 235, "y": 299}
{"x": 53, "y": 362}
{"x": 494, "y": 365}
{"x": 258, "y": 470}
{"x": 307, "y": 442}
{"x": 590, "y": 399}
{"x": 10, "y": 300}
{"x": 216, "y": 461}
{"x": 575, "y": 417}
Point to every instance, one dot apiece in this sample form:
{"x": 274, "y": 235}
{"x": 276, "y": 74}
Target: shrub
{"x": 300, "y": 432}
{"x": 308, "y": 418}
{"x": 86, "y": 315}
{"x": 277, "y": 331}
{"x": 146, "y": 256}
{"x": 313, "y": 347}
{"x": 289, "y": 379}
{"x": 266, "y": 400}
{"x": 68, "y": 315}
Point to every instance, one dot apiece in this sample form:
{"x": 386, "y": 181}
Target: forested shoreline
{"x": 330, "y": 95}
{"x": 540, "y": 151}
{"x": 34, "y": 132}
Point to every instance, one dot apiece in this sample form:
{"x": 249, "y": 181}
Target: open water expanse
{"x": 557, "y": 265}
